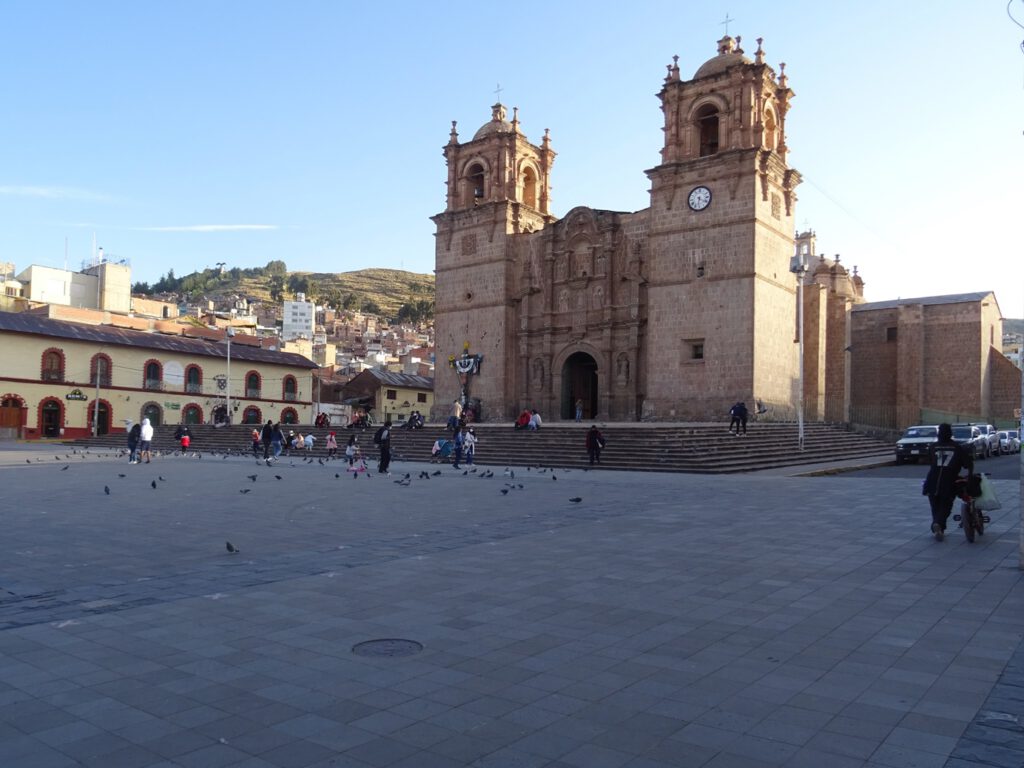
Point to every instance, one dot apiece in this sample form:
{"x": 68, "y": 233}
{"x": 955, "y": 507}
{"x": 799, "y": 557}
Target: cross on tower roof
{"x": 499, "y": 89}
{"x": 726, "y": 22}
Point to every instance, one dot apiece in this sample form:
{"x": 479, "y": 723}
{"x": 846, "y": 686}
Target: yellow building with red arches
{"x": 66, "y": 380}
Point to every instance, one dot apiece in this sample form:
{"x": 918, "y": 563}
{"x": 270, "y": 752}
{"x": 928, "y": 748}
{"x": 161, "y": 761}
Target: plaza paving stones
{"x": 666, "y": 620}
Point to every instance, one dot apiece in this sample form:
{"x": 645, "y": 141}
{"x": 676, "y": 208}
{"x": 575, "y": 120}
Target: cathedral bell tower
{"x": 721, "y": 235}
{"x": 498, "y": 187}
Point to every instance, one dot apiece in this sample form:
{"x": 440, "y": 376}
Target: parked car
{"x": 969, "y": 435}
{"x": 915, "y": 443}
{"x": 1009, "y": 441}
{"x": 991, "y": 435}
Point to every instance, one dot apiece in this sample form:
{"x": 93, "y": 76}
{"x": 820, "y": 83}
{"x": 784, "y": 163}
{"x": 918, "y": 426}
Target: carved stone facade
{"x": 671, "y": 312}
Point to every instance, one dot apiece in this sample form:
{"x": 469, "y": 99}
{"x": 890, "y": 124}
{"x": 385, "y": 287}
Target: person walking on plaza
{"x": 332, "y": 445}
{"x": 276, "y": 443}
{"x": 255, "y": 437}
{"x": 595, "y": 442}
{"x": 948, "y": 459}
{"x": 267, "y": 437}
{"x": 184, "y": 436}
{"x": 455, "y": 419}
{"x": 385, "y": 449}
{"x": 460, "y": 446}
{"x": 351, "y": 449}
{"x": 145, "y": 440}
{"x": 134, "y": 435}
{"x": 469, "y": 443}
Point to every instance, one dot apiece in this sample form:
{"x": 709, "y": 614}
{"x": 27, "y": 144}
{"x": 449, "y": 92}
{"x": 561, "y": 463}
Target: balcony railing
{"x": 153, "y": 384}
{"x": 53, "y": 375}
{"x": 104, "y": 380}
{"x": 291, "y": 397}
{"x": 193, "y": 388}
{"x": 253, "y": 393}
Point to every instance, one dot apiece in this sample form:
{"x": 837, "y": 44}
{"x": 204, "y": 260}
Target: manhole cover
{"x": 387, "y": 648}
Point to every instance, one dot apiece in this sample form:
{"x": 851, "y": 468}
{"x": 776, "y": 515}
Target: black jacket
{"x": 947, "y": 460}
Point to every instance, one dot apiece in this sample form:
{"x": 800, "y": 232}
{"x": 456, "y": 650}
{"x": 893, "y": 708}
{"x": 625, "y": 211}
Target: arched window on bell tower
{"x": 475, "y": 184}
{"x": 530, "y": 187}
{"x": 770, "y": 130}
{"x": 707, "y": 128}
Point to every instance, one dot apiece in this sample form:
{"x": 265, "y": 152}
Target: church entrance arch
{"x": 579, "y": 382}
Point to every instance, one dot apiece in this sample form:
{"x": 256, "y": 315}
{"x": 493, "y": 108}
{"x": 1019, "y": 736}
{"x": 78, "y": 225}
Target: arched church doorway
{"x": 579, "y": 382}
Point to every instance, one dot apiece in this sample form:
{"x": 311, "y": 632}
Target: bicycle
{"x": 972, "y": 520}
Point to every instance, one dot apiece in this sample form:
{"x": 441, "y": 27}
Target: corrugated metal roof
{"x": 952, "y": 298}
{"x": 410, "y": 380}
{"x": 20, "y": 322}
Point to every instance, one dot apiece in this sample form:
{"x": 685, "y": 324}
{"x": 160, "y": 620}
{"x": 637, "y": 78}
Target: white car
{"x": 916, "y": 443}
{"x": 1009, "y": 441}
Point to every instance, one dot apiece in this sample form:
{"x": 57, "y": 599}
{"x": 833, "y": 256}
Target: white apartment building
{"x": 298, "y": 318}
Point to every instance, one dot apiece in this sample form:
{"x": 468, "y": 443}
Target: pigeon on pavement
{"x": 245, "y": 490}
{"x": 252, "y": 477}
{"x": 231, "y": 548}
{"x": 504, "y": 491}
{"x": 65, "y": 467}
{"x": 277, "y": 476}
{"x": 153, "y": 484}
{"x": 576, "y": 499}
{"x": 106, "y": 489}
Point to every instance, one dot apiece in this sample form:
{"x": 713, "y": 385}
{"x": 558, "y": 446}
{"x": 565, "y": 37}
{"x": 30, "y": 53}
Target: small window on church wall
{"x": 694, "y": 349}
{"x": 707, "y": 124}
{"x": 530, "y": 187}
{"x": 890, "y": 334}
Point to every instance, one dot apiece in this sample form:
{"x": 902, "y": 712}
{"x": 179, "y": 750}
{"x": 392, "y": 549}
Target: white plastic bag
{"x": 987, "y": 501}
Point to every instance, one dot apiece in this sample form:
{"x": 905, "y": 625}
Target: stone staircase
{"x": 697, "y": 448}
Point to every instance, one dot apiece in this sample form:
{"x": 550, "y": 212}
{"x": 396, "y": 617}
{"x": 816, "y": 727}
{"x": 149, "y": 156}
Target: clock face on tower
{"x": 700, "y": 198}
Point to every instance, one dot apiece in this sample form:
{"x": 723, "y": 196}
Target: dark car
{"x": 970, "y": 436}
{"x": 915, "y": 443}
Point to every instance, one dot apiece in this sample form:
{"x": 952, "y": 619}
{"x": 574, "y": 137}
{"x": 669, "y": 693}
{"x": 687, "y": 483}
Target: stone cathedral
{"x": 673, "y": 312}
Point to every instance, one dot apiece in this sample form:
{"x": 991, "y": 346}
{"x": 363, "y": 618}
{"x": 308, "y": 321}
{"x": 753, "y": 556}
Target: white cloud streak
{"x": 53, "y": 193}
{"x": 210, "y": 228}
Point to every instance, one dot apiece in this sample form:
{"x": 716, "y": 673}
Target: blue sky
{"x": 189, "y": 133}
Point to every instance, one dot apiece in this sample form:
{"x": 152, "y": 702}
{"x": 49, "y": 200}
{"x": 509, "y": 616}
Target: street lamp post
{"x": 230, "y": 332}
{"x": 798, "y": 266}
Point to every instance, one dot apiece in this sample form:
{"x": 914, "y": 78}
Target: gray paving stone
{"x": 625, "y": 624}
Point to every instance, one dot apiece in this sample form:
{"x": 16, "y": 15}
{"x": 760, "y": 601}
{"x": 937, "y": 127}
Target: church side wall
{"x": 838, "y": 359}
{"x": 1005, "y": 390}
{"x": 815, "y": 326}
{"x": 874, "y": 368}
{"x": 776, "y": 376}
{"x": 952, "y": 359}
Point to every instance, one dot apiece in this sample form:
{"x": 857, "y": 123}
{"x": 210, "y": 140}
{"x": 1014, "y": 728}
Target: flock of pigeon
{"x": 405, "y": 481}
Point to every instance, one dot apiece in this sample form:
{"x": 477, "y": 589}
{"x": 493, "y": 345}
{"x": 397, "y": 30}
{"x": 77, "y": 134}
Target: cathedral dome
{"x": 497, "y": 124}
{"x": 729, "y": 55}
